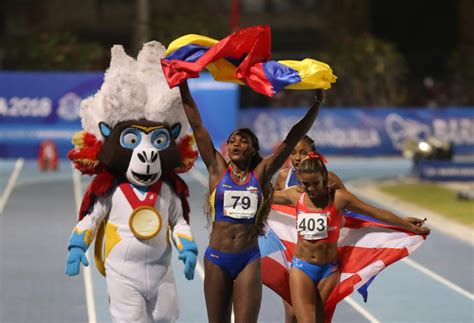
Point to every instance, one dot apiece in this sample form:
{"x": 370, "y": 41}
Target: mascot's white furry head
{"x": 132, "y": 90}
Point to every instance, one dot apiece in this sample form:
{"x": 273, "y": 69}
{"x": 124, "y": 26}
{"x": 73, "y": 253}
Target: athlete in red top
{"x": 287, "y": 178}
{"x": 315, "y": 269}
{"x": 309, "y": 221}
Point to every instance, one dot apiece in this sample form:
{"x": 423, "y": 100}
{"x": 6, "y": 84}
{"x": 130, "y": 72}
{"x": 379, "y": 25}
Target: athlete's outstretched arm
{"x": 346, "y": 200}
{"x": 273, "y": 162}
{"x": 211, "y": 157}
{"x": 285, "y": 197}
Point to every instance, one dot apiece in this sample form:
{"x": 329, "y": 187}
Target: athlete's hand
{"x": 73, "y": 263}
{"x": 417, "y": 225}
{"x": 422, "y": 230}
{"x": 189, "y": 259}
{"x": 415, "y": 221}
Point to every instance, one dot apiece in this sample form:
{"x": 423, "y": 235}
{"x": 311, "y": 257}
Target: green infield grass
{"x": 434, "y": 197}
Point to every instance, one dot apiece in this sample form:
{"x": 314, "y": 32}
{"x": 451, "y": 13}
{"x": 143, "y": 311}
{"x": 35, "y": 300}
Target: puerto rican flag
{"x": 366, "y": 246}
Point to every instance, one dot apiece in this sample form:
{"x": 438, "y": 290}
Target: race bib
{"x": 313, "y": 226}
{"x": 240, "y": 204}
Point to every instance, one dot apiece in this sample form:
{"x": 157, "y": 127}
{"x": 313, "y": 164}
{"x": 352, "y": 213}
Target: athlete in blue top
{"x": 287, "y": 177}
{"x": 239, "y": 191}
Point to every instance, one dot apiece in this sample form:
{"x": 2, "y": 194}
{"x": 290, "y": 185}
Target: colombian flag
{"x": 244, "y": 58}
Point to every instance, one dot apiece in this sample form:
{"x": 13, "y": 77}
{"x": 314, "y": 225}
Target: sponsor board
{"x": 438, "y": 170}
{"x": 365, "y": 131}
{"x": 35, "y": 107}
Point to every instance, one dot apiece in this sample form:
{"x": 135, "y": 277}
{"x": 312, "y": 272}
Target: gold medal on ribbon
{"x": 145, "y": 222}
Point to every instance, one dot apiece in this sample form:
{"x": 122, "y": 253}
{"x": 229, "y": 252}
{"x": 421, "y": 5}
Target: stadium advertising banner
{"x": 364, "y": 131}
{"x": 35, "y": 107}
{"x": 440, "y": 170}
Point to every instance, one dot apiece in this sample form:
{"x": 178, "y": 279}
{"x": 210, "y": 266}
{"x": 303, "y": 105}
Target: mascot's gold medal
{"x": 145, "y": 222}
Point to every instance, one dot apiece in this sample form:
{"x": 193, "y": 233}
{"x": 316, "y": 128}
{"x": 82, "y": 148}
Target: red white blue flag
{"x": 366, "y": 246}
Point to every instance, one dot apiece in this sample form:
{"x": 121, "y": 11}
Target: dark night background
{"x": 385, "y": 53}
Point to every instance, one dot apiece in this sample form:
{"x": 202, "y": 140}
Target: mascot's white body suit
{"x": 138, "y": 272}
{"x": 133, "y": 142}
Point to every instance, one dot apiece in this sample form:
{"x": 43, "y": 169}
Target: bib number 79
{"x": 244, "y": 201}
{"x": 240, "y": 204}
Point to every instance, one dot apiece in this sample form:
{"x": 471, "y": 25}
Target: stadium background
{"x": 405, "y": 71}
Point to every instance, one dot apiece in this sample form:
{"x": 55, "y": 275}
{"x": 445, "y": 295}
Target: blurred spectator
{"x": 434, "y": 93}
{"x": 48, "y": 156}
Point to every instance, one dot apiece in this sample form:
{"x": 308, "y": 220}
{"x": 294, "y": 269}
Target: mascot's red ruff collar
{"x": 103, "y": 183}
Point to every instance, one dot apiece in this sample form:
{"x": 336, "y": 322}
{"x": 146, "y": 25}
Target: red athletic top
{"x": 333, "y": 225}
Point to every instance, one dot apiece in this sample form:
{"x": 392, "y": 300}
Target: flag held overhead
{"x": 243, "y": 58}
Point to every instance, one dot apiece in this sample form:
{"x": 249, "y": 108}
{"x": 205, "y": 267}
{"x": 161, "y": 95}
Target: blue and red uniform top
{"x": 236, "y": 202}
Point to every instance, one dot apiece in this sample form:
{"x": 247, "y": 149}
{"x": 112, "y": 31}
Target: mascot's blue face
{"x": 140, "y": 150}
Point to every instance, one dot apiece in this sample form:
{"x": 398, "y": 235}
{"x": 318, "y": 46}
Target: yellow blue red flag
{"x": 244, "y": 58}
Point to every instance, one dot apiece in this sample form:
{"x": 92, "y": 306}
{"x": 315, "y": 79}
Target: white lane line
{"x": 91, "y": 313}
{"x": 438, "y": 278}
{"x": 361, "y": 310}
{"x": 11, "y": 183}
{"x": 202, "y": 179}
{"x": 200, "y": 270}
{"x": 76, "y": 178}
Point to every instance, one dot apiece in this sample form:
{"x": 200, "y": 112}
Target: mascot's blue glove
{"x": 74, "y": 258}
{"x": 187, "y": 254}
{"x": 189, "y": 258}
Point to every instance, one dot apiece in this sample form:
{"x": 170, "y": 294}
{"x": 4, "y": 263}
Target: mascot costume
{"x": 135, "y": 141}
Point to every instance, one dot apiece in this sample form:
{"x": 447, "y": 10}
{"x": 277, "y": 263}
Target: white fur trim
{"x": 134, "y": 89}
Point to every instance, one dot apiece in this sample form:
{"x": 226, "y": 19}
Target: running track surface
{"x": 39, "y": 211}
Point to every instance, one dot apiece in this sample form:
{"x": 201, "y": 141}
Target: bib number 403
{"x": 312, "y": 224}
